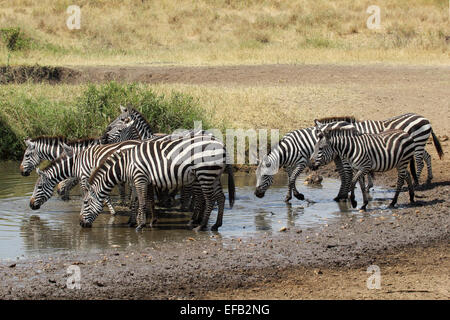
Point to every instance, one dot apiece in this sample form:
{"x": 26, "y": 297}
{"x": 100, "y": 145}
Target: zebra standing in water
{"x": 120, "y": 133}
{"x": 73, "y": 164}
{"x": 49, "y": 148}
{"x": 166, "y": 164}
{"x": 368, "y": 153}
{"x": 293, "y": 153}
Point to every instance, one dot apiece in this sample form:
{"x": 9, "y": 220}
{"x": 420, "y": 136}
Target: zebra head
{"x": 31, "y": 158}
{"x": 43, "y": 189}
{"x": 90, "y": 208}
{"x": 121, "y": 132}
{"x": 264, "y": 175}
{"x": 323, "y": 153}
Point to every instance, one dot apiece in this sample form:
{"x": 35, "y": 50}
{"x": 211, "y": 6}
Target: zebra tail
{"x": 412, "y": 168}
{"x": 437, "y": 145}
{"x": 231, "y": 186}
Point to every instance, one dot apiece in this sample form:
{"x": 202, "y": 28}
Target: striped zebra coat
{"x": 292, "y": 153}
{"x": 73, "y": 164}
{"x": 368, "y": 153}
{"x": 417, "y": 126}
{"x": 167, "y": 164}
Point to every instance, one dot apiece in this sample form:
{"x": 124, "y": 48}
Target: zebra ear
{"x": 29, "y": 143}
{"x": 39, "y": 172}
{"x": 68, "y": 150}
{"x": 123, "y": 109}
{"x": 317, "y": 123}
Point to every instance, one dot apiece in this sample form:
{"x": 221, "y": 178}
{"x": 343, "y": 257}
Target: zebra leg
{"x": 291, "y": 184}
{"x": 220, "y": 197}
{"x": 141, "y": 190}
{"x": 420, "y": 157}
{"x": 410, "y": 187}
{"x": 123, "y": 193}
{"x": 209, "y": 203}
{"x": 362, "y": 185}
{"x": 427, "y": 158}
{"x": 400, "y": 180}
{"x": 151, "y": 200}
{"x": 356, "y": 178}
{"x": 370, "y": 178}
{"x": 110, "y": 207}
{"x": 345, "y": 172}
{"x": 133, "y": 209}
{"x": 185, "y": 197}
{"x": 198, "y": 205}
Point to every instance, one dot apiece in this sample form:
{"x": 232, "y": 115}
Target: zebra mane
{"x": 82, "y": 140}
{"x": 349, "y": 119}
{"x": 41, "y": 138}
{"x": 140, "y": 116}
{"x": 341, "y": 130}
{"x": 110, "y": 158}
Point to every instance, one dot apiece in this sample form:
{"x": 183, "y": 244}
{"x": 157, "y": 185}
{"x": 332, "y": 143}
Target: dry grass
{"x": 228, "y": 32}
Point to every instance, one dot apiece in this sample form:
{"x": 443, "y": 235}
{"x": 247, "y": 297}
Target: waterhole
{"x": 55, "y": 226}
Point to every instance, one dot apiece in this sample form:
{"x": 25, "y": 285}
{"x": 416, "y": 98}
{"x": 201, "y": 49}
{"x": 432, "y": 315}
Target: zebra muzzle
{"x": 259, "y": 193}
{"x": 34, "y": 205}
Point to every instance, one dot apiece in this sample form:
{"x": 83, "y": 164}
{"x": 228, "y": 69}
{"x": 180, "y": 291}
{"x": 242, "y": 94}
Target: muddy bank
{"x": 372, "y": 75}
{"x": 194, "y": 269}
{"x": 22, "y": 74}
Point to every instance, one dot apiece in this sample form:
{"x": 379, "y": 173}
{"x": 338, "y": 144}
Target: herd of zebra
{"x": 192, "y": 161}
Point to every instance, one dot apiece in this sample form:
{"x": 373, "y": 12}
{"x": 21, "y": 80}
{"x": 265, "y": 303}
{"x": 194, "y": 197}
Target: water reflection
{"x": 55, "y": 226}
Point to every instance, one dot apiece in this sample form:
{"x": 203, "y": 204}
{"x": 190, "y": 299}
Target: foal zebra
{"x": 166, "y": 164}
{"x": 73, "y": 164}
{"x": 368, "y": 153}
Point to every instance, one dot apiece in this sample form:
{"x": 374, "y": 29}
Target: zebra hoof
{"x": 140, "y": 227}
{"x": 354, "y": 203}
{"x": 299, "y": 196}
{"x": 152, "y": 224}
{"x": 287, "y": 199}
{"x": 392, "y": 206}
{"x": 215, "y": 228}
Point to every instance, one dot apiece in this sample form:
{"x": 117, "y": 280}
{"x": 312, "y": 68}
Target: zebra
{"x": 140, "y": 123}
{"x": 120, "y": 133}
{"x": 368, "y": 152}
{"x": 73, "y": 164}
{"x": 415, "y": 125}
{"x": 168, "y": 164}
{"x": 292, "y": 153}
{"x": 49, "y": 148}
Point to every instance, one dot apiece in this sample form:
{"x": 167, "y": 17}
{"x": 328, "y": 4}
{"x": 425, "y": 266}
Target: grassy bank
{"x": 85, "y": 111}
{"x": 223, "y": 32}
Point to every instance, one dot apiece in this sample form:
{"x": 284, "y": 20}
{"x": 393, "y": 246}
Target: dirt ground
{"x": 411, "y": 247}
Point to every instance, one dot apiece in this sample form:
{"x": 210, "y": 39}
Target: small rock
{"x": 283, "y": 229}
{"x": 314, "y": 178}
{"x": 12, "y": 265}
{"x": 99, "y": 284}
{"x": 318, "y": 271}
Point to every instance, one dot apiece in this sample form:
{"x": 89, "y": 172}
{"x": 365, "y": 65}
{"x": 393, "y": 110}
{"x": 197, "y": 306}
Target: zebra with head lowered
{"x": 292, "y": 153}
{"x": 73, "y": 164}
{"x": 368, "y": 153}
{"x": 120, "y": 133}
{"x": 168, "y": 164}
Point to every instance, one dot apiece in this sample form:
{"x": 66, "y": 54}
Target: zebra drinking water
{"x": 292, "y": 153}
{"x": 166, "y": 164}
{"x": 73, "y": 164}
{"x": 368, "y": 152}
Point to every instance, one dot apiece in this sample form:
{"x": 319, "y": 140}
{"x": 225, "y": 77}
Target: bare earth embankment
{"x": 411, "y": 247}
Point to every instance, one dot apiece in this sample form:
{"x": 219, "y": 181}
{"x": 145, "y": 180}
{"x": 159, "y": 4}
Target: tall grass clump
{"x": 88, "y": 113}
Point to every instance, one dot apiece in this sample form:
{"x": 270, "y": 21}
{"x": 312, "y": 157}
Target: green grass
{"x": 85, "y": 111}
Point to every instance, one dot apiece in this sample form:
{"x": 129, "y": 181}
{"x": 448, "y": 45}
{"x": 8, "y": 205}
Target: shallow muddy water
{"x": 54, "y": 227}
